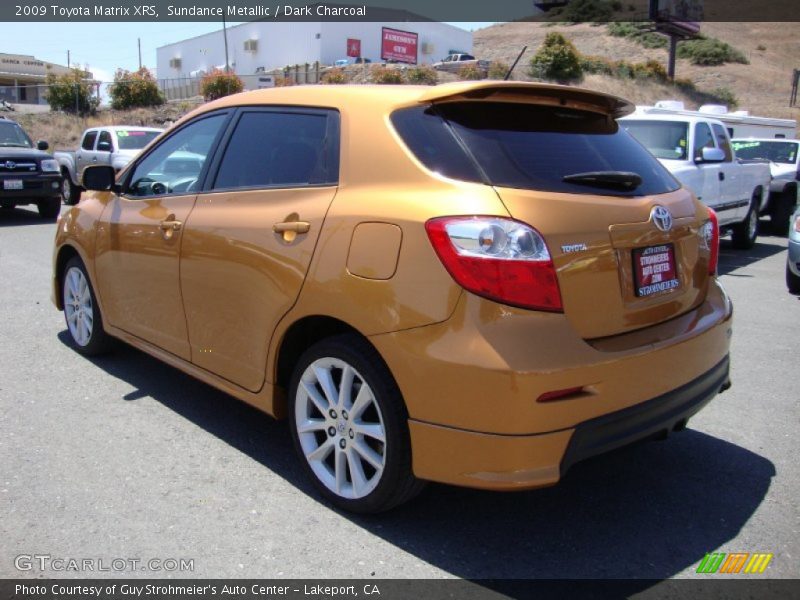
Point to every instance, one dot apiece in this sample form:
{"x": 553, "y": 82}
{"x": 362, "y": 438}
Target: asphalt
{"x": 123, "y": 457}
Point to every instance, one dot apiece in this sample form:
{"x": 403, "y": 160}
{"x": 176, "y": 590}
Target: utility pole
{"x": 139, "y": 42}
{"x": 225, "y": 35}
{"x": 68, "y": 59}
{"x": 673, "y": 53}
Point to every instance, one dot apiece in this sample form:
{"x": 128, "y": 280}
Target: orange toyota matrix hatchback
{"x": 477, "y": 283}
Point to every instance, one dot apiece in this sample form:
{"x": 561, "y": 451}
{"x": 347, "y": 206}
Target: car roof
{"x": 124, "y": 128}
{"x": 638, "y": 116}
{"x": 383, "y": 98}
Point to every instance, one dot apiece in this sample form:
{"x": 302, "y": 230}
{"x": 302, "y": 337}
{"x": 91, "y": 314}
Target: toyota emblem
{"x": 10, "y": 165}
{"x": 662, "y": 218}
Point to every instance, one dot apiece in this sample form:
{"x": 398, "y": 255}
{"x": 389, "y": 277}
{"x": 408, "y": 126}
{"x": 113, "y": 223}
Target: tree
{"x": 133, "y": 90}
{"x": 218, "y": 83}
{"x": 71, "y": 92}
{"x": 556, "y": 59}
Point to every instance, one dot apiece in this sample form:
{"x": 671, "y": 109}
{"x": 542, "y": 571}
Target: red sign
{"x": 353, "y": 48}
{"x": 399, "y": 46}
{"x": 654, "y": 270}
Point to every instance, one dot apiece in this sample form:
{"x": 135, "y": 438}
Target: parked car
{"x": 28, "y": 174}
{"x": 698, "y": 152}
{"x": 783, "y": 157}
{"x": 454, "y": 62}
{"x": 114, "y": 146}
{"x": 793, "y": 256}
{"x": 508, "y": 283}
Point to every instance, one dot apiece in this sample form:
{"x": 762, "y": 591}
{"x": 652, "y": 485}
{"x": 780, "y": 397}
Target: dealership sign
{"x": 399, "y": 46}
{"x": 353, "y": 48}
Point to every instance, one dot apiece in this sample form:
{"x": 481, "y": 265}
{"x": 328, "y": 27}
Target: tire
{"x": 81, "y": 311}
{"x": 745, "y": 233}
{"x": 69, "y": 191}
{"x": 343, "y": 453}
{"x": 49, "y": 208}
{"x": 792, "y": 281}
{"x": 782, "y": 212}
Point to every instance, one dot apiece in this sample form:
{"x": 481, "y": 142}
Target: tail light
{"x": 497, "y": 258}
{"x": 710, "y": 237}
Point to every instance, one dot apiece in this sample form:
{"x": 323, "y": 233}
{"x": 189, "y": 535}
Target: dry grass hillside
{"x": 762, "y": 86}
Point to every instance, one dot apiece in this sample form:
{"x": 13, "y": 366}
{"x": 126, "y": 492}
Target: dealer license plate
{"x": 12, "y": 184}
{"x": 654, "y": 270}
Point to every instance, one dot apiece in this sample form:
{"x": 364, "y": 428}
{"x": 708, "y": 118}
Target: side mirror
{"x": 42, "y": 145}
{"x": 712, "y": 155}
{"x": 104, "y": 146}
{"x": 99, "y": 178}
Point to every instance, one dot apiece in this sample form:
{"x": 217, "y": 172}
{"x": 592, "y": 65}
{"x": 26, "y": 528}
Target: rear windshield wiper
{"x": 622, "y": 180}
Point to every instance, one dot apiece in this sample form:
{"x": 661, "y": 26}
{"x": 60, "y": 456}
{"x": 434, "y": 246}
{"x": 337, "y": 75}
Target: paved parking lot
{"x": 125, "y": 457}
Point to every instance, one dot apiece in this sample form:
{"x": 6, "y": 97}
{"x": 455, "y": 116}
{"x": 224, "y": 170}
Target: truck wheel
{"x": 69, "y": 191}
{"x": 746, "y": 232}
{"x": 782, "y": 211}
{"x": 792, "y": 281}
{"x": 49, "y": 208}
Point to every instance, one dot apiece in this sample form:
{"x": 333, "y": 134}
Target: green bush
{"x": 710, "y": 51}
{"x": 498, "y": 70}
{"x": 335, "y": 76}
{"x": 725, "y": 96}
{"x": 386, "y": 75}
{"x": 218, "y": 84}
{"x": 134, "y": 90}
{"x": 584, "y": 11}
{"x": 642, "y": 33}
{"x": 422, "y": 75}
{"x": 556, "y": 59}
{"x": 470, "y": 73}
{"x": 71, "y": 92}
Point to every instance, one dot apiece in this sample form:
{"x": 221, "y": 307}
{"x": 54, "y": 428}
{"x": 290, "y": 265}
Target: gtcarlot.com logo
{"x": 734, "y": 563}
{"x": 47, "y": 562}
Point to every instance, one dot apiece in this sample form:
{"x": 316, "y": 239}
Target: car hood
{"x": 13, "y": 153}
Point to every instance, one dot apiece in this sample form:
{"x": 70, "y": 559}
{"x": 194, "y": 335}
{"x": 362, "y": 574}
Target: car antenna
{"x": 515, "y": 64}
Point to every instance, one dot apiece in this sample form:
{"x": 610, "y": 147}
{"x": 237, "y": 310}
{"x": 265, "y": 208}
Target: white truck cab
{"x": 698, "y": 152}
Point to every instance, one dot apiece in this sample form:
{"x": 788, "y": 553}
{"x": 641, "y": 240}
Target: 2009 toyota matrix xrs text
{"x": 477, "y": 283}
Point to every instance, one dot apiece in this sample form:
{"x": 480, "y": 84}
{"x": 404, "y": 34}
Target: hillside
{"x": 762, "y": 87}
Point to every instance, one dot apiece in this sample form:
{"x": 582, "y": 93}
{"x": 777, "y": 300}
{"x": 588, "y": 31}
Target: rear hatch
{"x": 624, "y": 237}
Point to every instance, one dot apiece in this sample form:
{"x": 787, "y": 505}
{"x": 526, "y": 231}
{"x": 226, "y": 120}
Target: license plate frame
{"x": 13, "y": 184}
{"x": 655, "y": 270}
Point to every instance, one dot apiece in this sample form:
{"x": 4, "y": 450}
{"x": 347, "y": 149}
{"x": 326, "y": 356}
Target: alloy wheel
{"x": 78, "y": 306}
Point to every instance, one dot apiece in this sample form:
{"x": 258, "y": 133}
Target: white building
{"x": 266, "y": 46}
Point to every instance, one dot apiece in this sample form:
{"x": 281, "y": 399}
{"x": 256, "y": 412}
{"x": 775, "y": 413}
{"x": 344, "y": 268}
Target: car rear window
{"x": 527, "y": 146}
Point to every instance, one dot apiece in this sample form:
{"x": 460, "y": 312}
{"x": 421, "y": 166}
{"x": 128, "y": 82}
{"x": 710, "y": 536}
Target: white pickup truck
{"x": 452, "y": 63}
{"x": 698, "y": 152}
{"x": 783, "y": 157}
{"x": 115, "y": 146}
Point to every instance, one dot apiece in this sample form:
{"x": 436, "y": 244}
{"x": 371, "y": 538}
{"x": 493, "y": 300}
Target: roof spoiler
{"x": 536, "y": 93}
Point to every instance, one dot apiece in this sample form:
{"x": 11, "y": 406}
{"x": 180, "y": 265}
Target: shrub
{"x": 386, "y": 75}
{"x": 335, "y": 76}
{"x": 761, "y": 47}
{"x": 284, "y": 82}
{"x": 652, "y": 69}
{"x": 642, "y": 33}
{"x": 134, "y": 90}
{"x": 498, "y": 70}
{"x": 218, "y": 83}
{"x": 583, "y": 11}
{"x": 423, "y": 75}
{"x": 710, "y": 51}
{"x": 726, "y": 96}
{"x": 556, "y": 59}
{"x": 71, "y": 92}
{"x": 470, "y": 73}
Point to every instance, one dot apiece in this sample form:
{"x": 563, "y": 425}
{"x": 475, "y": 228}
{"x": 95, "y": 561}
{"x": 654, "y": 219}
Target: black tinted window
{"x": 88, "y": 140}
{"x": 274, "y": 149}
{"x": 12, "y": 134}
{"x": 536, "y": 147}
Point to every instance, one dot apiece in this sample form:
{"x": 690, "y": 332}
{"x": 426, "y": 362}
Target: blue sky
{"x": 105, "y": 46}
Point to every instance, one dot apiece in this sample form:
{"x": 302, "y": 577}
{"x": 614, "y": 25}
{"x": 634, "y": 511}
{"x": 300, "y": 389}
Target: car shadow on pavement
{"x": 731, "y": 259}
{"x": 645, "y": 512}
{"x": 18, "y": 216}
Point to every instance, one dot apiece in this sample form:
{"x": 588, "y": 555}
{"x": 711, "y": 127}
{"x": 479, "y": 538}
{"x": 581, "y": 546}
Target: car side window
{"x": 723, "y": 142}
{"x": 88, "y": 140}
{"x": 280, "y": 149}
{"x": 105, "y": 138}
{"x": 702, "y": 139}
{"x": 174, "y": 166}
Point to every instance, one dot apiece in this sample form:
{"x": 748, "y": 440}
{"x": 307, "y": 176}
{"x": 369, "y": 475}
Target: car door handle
{"x": 171, "y": 225}
{"x": 94, "y": 159}
{"x": 293, "y": 226}
{"x": 722, "y": 176}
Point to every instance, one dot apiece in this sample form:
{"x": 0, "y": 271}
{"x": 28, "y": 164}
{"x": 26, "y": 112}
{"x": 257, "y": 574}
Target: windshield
{"x": 664, "y": 139}
{"x": 778, "y": 152}
{"x": 528, "y": 146}
{"x": 135, "y": 139}
{"x": 12, "y": 135}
